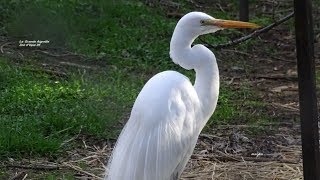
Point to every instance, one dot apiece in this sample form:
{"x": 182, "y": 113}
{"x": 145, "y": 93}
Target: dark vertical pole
{"x": 244, "y": 10}
{"x": 307, "y": 92}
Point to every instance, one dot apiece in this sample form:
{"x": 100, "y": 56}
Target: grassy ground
{"x": 41, "y": 113}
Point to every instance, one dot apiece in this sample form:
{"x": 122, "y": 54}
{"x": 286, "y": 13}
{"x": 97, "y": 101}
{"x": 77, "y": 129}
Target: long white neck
{"x": 207, "y": 87}
{"x": 203, "y": 61}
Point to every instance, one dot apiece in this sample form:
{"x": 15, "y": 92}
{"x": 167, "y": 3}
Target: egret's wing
{"x": 161, "y": 133}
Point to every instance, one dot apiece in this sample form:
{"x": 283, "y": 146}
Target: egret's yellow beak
{"x": 229, "y": 24}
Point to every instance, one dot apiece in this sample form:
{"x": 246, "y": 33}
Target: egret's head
{"x": 189, "y": 27}
{"x": 199, "y": 23}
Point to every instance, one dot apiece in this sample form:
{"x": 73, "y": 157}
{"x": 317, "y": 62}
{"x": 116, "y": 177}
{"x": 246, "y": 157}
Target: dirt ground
{"x": 229, "y": 152}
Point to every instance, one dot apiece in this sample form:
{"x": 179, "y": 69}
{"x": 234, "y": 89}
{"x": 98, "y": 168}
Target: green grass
{"x": 40, "y": 112}
{"x": 231, "y": 108}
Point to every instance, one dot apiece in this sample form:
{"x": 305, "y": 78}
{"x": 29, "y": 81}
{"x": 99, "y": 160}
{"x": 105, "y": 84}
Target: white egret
{"x": 169, "y": 113}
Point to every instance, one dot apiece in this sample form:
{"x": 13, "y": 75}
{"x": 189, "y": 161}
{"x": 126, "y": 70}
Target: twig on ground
{"x": 222, "y": 157}
{"x": 19, "y": 176}
{"x": 286, "y": 106}
{"x": 52, "y": 167}
{"x": 277, "y": 76}
{"x": 209, "y": 136}
{"x": 3, "y": 45}
{"x": 43, "y": 167}
{"x": 230, "y": 126}
{"x": 56, "y": 55}
{"x": 284, "y": 60}
{"x": 247, "y": 37}
{"x": 61, "y": 131}
{"x": 50, "y": 72}
{"x": 77, "y": 168}
{"x": 220, "y": 7}
{"x": 71, "y": 139}
{"x": 85, "y": 158}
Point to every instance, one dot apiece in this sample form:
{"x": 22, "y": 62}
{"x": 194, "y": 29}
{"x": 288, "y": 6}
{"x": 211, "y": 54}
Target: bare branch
{"x": 44, "y": 167}
{"x": 252, "y": 35}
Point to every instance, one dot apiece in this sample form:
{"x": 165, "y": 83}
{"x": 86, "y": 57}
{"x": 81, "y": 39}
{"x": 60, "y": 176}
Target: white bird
{"x": 169, "y": 112}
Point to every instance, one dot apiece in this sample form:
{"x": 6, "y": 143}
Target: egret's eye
{"x": 202, "y": 22}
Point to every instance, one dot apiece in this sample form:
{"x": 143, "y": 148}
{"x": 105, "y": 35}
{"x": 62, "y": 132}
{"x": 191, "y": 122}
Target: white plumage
{"x": 169, "y": 113}
{"x": 152, "y": 145}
